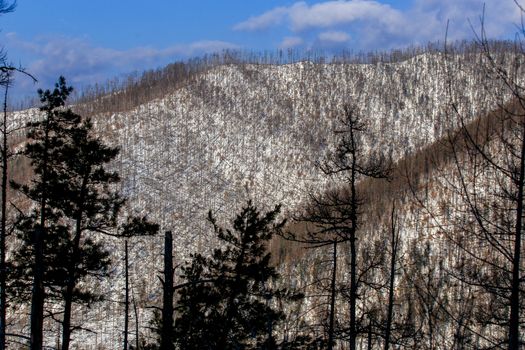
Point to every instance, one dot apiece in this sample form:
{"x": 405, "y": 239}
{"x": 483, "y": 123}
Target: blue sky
{"x": 91, "y": 41}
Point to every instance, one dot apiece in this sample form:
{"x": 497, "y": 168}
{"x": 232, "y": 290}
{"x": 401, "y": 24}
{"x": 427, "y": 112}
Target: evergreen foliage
{"x": 46, "y": 140}
{"x": 228, "y": 300}
{"x": 408, "y": 293}
{"x": 77, "y": 198}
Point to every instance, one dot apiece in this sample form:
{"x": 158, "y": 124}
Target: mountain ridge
{"x": 241, "y": 132}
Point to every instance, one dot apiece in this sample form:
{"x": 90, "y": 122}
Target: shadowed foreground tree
{"x": 134, "y": 227}
{"x": 489, "y": 183}
{"x": 333, "y": 219}
{"x": 228, "y": 300}
{"x": 6, "y": 75}
{"x": 352, "y": 164}
{"x": 46, "y": 138}
{"x": 91, "y": 205}
{"x": 6, "y": 153}
{"x": 322, "y": 231}
{"x": 395, "y": 241}
{"x": 166, "y": 330}
{"x": 78, "y": 199}
{"x": 483, "y": 185}
{"x": 5, "y": 81}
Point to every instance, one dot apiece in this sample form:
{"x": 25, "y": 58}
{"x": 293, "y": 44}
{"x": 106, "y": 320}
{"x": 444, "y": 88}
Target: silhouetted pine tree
{"x": 91, "y": 204}
{"x": 227, "y": 299}
{"x": 46, "y": 138}
{"x": 77, "y": 199}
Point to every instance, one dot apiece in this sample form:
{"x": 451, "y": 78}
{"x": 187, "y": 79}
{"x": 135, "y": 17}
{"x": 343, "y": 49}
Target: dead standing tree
{"x": 488, "y": 157}
{"x": 134, "y": 227}
{"x": 333, "y": 218}
{"x": 166, "y": 332}
{"x": 352, "y": 164}
{"x": 6, "y": 78}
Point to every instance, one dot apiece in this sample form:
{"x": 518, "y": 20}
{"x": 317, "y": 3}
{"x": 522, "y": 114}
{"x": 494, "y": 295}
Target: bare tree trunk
{"x": 166, "y": 341}
{"x": 332, "y": 299}
{"x": 514, "y": 322}
{"x": 66, "y": 323}
{"x": 38, "y": 292}
{"x": 393, "y": 256}
{"x": 37, "y": 297}
{"x": 68, "y": 302}
{"x": 126, "y": 301}
{"x": 346, "y": 160}
{"x": 135, "y": 309}
{"x": 72, "y": 280}
{"x": 353, "y": 292}
{"x": 3, "y": 233}
{"x": 369, "y": 336}
{"x": 353, "y": 238}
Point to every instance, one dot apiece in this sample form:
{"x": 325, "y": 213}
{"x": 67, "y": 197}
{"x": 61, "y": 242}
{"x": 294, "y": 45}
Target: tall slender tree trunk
{"x": 68, "y": 299}
{"x": 126, "y": 301}
{"x": 3, "y": 233}
{"x": 38, "y": 292}
{"x": 72, "y": 278}
{"x": 135, "y": 309}
{"x": 369, "y": 343}
{"x": 346, "y": 161}
{"x": 37, "y": 297}
{"x": 332, "y": 298}
{"x": 166, "y": 341}
{"x": 352, "y": 239}
{"x": 393, "y": 257}
{"x": 353, "y": 292}
{"x": 514, "y": 322}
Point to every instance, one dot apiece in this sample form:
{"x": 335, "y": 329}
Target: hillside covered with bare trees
{"x": 388, "y": 189}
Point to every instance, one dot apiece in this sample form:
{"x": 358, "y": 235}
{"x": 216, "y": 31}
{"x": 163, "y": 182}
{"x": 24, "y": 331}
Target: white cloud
{"x": 83, "y": 63}
{"x": 301, "y": 16}
{"x": 267, "y": 19}
{"x": 427, "y": 20}
{"x": 290, "y": 42}
{"x": 333, "y": 13}
{"x": 334, "y": 36}
{"x": 374, "y": 24}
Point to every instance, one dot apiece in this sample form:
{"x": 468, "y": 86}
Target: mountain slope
{"x": 242, "y": 131}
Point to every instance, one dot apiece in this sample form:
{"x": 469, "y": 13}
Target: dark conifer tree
{"x": 46, "y": 139}
{"x": 227, "y": 299}
{"x": 78, "y": 199}
{"x": 90, "y": 203}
